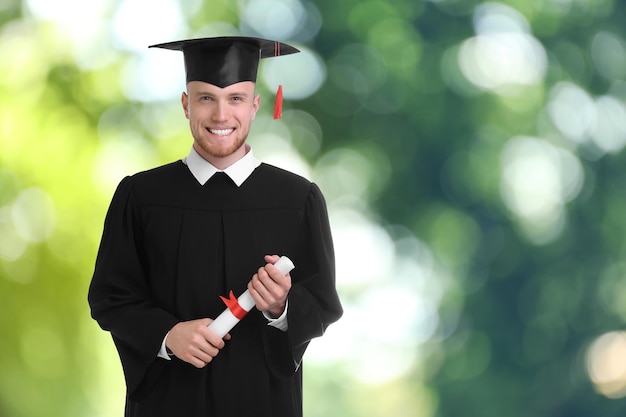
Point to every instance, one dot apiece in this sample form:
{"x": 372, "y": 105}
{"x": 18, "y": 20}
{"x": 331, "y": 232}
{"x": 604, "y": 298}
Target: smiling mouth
{"x": 221, "y": 132}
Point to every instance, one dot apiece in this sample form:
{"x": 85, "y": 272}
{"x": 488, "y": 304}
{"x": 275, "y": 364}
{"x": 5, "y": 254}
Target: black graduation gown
{"x": 171, "y": 247}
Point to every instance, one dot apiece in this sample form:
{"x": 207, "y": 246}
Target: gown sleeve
{"x": 119, "y": 292}
{"x": 313, "y": 300}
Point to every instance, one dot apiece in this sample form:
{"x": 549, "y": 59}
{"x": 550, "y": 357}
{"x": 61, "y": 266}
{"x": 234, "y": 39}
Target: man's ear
{"x": 184, "y": 99}
{"x": 256, "y": 103}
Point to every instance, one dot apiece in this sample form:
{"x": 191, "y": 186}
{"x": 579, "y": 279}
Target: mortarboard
{"x": 227, "y": 60}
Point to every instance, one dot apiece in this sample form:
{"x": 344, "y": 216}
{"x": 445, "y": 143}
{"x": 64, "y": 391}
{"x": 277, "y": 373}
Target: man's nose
{"x": 221, "y": 111}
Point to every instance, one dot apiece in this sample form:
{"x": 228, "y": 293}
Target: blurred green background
{"x": 471, "y": 154}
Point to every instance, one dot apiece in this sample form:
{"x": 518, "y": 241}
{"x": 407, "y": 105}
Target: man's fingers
{"x": 194, "y": 342}
{"x": 259, "y": 299}
{"x": 271, "y": 259}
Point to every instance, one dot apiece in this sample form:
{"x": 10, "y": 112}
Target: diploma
{"x": 239, "y": 307}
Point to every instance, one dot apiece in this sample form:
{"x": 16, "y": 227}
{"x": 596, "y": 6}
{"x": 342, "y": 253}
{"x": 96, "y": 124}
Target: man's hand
{"x": 193, "y": 342}
{"x": 269, "y": 287}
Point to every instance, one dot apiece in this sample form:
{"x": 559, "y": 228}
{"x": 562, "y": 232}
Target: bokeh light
{"x": 34, "y": 215}
{"x": 608, "y": 53}
{"x": 274, "y": 19}
{"x": 503, "y": 54}
{"x": 136, "y": 26}
{"x": 538, "y": 179}
{"x": 572, "y": 111}
{"x": 300, "y": 74}
{"x": 606, "y": 364}
{"x": 584, "y": 119}
{"x": 471, "y": 154}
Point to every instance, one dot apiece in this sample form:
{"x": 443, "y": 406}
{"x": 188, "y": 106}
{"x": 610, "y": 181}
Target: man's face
{"x": 220, "y": 119}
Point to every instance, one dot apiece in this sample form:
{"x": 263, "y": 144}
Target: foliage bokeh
{"x": 471, "y": 153}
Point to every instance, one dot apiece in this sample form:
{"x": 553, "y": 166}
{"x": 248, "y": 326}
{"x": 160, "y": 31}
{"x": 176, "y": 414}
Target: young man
{"x": 178, "y": 237}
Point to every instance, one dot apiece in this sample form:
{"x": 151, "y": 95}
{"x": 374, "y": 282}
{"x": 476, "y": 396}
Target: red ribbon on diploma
{"x": 234, "y": 306}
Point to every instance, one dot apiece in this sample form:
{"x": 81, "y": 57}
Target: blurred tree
{"x": 492, "y": 133}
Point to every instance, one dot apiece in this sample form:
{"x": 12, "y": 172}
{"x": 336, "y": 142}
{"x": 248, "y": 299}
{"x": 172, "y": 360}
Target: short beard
{"x": 218, "y": 151}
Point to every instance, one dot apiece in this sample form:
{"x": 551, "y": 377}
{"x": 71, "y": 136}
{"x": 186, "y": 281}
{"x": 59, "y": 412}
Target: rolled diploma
{"x": 227, "y": 320}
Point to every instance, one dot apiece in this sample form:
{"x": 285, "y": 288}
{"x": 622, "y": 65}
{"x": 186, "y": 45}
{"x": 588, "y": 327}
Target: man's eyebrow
{"x": 238, "y": 94}
{"x": 202, "y": 93}
{"x": 210, "y": 94}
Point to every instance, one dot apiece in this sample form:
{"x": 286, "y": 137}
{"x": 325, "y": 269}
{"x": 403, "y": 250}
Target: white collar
{"x": 202, "y": 170}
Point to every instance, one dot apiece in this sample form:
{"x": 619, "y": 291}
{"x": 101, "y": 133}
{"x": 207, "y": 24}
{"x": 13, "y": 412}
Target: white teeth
{"x": 221, "y": 132}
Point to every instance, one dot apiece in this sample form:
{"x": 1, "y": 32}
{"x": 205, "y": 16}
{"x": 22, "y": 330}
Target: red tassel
{"x": 278, "y": 105}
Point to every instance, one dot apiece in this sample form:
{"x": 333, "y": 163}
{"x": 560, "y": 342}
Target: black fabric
{"x": 225, "y": 60}
{"x": 171, "y": 247}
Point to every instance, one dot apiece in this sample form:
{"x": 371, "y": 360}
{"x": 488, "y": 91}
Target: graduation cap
{"x": 227, "y": 60}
